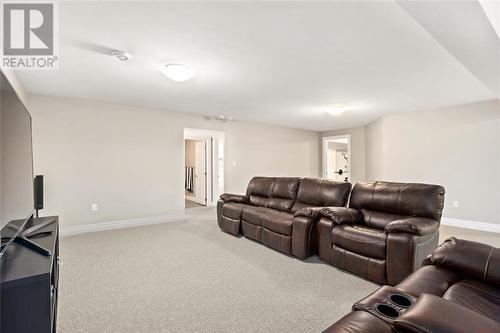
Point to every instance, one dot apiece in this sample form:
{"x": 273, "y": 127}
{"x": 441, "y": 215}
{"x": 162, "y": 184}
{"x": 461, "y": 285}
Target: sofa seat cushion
{"x": 254, "y": 215}
{"x": 476, "y": 296}
{"x": 277, "y": 241}
{"x": 370, "y": 268}
{"x": 233, "y": 210}
{"x": 230, "y": 225}
{"x": 279, "y": 222}
{"x": 360, "y": 239}
{"x": 251, "y": 230}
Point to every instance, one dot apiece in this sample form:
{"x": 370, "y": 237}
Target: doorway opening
{"x": 203, "y": 167}
{"x": 337, "y": 157}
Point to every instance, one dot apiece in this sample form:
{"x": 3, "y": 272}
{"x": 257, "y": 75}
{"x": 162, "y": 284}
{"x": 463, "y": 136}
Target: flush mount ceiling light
{"x": 178, "y": 72}
{"x": 337, "y": 110}
{"x": 120, "y": 55}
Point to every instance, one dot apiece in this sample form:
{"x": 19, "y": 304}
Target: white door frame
{"x": 324, "y": 147}
{"x": 205, "y": 175}
{"x": 211, "y": 136}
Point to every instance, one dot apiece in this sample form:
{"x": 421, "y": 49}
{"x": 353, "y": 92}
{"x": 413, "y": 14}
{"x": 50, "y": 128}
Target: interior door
{"x": 336, "y": 154}
{"x": 200, "y": 172}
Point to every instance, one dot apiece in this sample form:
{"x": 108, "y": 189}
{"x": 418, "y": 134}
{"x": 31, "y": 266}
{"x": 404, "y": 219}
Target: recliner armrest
{"x": 342, "y": 215}
{"x": 228, "y": 197}
{"x": 311, "y": 212}
{"x": 435, "y": 314}
{"x": 470, "y": 259}
{"x": 418, "y": 226}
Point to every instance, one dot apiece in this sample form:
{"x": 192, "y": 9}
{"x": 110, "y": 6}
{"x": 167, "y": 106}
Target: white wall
{"x": 16, "y": 84}
{"x": 374, "y": 138}
{"x": 457, "y": 147}
{"x": 129, "y": 160}
{"x": 357, "y": 150}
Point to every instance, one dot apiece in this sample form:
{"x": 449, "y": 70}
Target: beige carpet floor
{"x": 188, "y": 276}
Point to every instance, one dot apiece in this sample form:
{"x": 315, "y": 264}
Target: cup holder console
{"x": 400, "y": 300}
{"x": 387, "y": 303}
{"x": 386, "y": 310}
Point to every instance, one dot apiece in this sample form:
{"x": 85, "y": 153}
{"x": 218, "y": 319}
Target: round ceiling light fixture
{"x": 120, "y": 55}
{"x": 178, "y": 72}
{"x": 337, "y": 110}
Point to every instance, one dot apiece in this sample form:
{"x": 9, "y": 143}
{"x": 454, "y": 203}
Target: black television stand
{"x": 24, "y": 236}
{"x": 29, "y": 281}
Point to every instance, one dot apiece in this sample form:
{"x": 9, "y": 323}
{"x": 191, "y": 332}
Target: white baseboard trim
{"x": 474, "y": 225}
{"x": 82, "y": 229}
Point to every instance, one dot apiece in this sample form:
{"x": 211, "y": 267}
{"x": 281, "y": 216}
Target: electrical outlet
{"x": 94, "y": 207}
{"x": 456, "y": 204}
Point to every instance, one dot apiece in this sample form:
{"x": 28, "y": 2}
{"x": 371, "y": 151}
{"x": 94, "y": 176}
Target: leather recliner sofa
{"x": 456, "y": 291}
{"x": 387, "y": 231}
{"x": 270, "y": 211}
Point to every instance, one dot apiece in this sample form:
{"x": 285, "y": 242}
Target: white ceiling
{"x": 281, "y": 63}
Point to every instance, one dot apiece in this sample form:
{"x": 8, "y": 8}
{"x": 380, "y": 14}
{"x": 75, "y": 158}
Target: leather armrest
{"x": 470, "y": 259}
{"x": 427, "y": 261}
{"x": 311, "y": 212}
{"x": 435, "y": 314}
{"x": 228, "y": 197}
{"x": 304, "y": 236}
{"x": 418, "y": 226}
{"x": 342, "y": 215}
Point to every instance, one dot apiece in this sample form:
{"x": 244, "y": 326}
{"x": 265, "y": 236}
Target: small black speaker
{"x": 38, "y": 192}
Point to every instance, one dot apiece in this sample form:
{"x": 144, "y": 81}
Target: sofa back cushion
{"x": 284, "y": 193}
{"x": 383, "y": 202}
{"x": 315, "y": 192}
{"x": 273, "y": 192}
{"x": 261, "y": 186}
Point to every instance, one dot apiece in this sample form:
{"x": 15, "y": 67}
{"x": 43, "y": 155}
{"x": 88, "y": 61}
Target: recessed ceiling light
{"x": 337, "y": 110}
{"x": 120, "y": 55}
{"x": 178, "y": 72}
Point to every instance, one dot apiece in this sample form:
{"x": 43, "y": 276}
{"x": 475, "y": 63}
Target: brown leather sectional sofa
{"x": 384, "y": 234}
{"x": 267, "y": 212}
{"x": 387, "y": 231}
{"x": 456, "y": 291}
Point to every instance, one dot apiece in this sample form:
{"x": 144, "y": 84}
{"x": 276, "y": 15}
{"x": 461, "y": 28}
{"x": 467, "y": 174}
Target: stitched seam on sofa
{"x": 367, "y": 242}
{"x": 486, "y": 267}
{"x": 422, "y": 328}
{"x": 399, "y": 196}
{"x": 344, "y": 258}
{"x": 369, "y": 268}
{"x": 476, "y": 289}
{"x": 352, "y": 215}
{"x": 307, "y": 241}
{"x": 411, "y": 254}
{"x": 373, "y": 194}
{"x": 331, "y": 253}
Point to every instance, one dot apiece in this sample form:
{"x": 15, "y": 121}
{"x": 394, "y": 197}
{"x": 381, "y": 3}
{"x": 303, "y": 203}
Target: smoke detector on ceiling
{"x": 120, "y": 55}
{"x": 223, "y": 118}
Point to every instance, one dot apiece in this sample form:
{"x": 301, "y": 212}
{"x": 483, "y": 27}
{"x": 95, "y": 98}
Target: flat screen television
{"x": 16, "y": 164}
